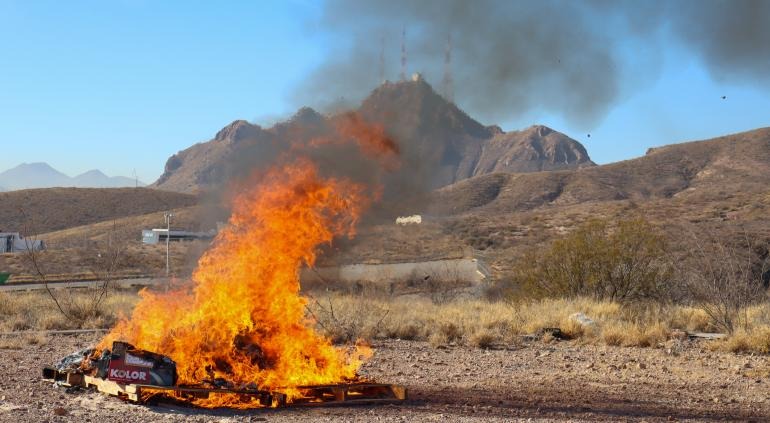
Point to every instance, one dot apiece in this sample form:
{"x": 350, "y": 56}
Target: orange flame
{"x": 243, "y": 318}
{"x": 371, "y": 138}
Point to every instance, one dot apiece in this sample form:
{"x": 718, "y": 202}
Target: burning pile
{"x": 241, "y": 323}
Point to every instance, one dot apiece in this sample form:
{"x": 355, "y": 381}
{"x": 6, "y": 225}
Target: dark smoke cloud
{"x": 731, "y": 37}
{"x": 509, "y": 57}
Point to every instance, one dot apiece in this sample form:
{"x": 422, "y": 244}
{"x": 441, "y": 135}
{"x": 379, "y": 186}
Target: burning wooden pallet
{"x": 339, "y": 394}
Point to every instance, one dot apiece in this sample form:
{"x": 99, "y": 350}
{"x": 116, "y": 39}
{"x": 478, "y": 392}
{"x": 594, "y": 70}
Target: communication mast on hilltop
{"x": 382, "y": 59}
{"x": 448, "y": 81}
{"x": 403, "y": 54}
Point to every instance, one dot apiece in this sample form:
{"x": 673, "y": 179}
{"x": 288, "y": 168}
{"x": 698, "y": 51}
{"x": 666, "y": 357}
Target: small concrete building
{"x": 13, "y": 242}
{"x": 156, "y": 236}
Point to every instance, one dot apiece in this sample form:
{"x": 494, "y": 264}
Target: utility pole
{"x": 168, "y": 217}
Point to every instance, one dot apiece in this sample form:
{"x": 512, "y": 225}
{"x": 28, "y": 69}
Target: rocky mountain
{"x": 434, "y": 135}
{"x": 42, "y": 175}
{"x": 537, "y": 148}
{"x": 710, "y": 170}
{"x": 207, "y": 164}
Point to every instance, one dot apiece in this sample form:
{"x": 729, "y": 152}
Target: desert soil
{"x": 536, "y": 381}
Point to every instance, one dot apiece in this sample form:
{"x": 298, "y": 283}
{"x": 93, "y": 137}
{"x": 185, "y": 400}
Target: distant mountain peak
{"x": 92, "y": 172}
{"x": 35, "y": 165}
{"x": 43, "y": 175}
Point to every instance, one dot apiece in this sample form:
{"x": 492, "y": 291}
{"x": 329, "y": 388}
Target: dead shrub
{"x": 691, "y": 319}
{"x": 346, "y": 319}
{"x": 614, "y": 335}
{"x": 406, "y": 331}
{"x": 437, "y": 339}
{"x": 724, "y": 276}
{"x": 756, "y": 340}
{"x": 101, "y": 258}
{"x": 483, "y": 338}
{"x": 737, "y": 342}
{"x": 450, "y": 331}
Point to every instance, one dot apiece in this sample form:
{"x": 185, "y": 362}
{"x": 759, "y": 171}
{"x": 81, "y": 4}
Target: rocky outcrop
{"x": 434, "y": 135}
{"x": 537, "y": 148}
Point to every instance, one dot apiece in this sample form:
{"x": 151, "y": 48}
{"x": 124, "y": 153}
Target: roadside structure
{"x": 155, "y": 236}
{"x": 13, "y": 242}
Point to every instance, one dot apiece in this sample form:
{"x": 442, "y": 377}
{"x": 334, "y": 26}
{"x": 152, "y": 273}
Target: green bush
{"x": 621, "y": 263}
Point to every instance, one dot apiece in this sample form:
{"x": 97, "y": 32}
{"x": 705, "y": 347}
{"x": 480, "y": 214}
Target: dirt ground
{"x": 538, "y": 382}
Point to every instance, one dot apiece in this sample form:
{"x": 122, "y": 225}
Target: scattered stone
{"x": 60, "y": 411}
{"x": 582, "y": 320}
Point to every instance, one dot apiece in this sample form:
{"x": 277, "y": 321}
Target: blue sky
{"x": 122, "y": 85}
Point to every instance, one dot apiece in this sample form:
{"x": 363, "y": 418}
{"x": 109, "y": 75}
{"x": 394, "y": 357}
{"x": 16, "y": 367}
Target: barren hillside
{"x": 703, "y": 169}
{"x": 51, "y": 209}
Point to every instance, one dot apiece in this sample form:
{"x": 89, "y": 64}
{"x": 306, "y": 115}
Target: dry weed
{"x": 756, "y": 340}
{"x": 22, "y": 311}
{"x": 482, "y": 323}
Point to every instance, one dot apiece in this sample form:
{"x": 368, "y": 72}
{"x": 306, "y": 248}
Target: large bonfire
{"x": 242, "y": 318}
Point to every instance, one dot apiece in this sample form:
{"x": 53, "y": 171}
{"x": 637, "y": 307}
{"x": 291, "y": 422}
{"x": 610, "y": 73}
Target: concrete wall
{"x": 465, "y": 269}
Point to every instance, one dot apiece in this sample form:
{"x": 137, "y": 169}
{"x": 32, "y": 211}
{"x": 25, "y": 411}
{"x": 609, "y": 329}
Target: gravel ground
{"x": 537, "y": 382}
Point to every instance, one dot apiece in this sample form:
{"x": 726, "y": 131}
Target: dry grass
{"x": 487, "y": 324}
{"x": 37, "y": 311}
{"x": 19, "y": 342}
{"x": 478, "y": 323}
{"x": 754, "y": 338}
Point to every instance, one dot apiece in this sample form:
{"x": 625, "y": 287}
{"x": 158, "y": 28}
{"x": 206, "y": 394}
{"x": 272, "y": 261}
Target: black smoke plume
{"x": 572, "y": 58}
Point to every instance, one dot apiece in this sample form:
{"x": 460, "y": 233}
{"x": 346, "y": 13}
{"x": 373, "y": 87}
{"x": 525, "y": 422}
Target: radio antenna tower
{"x": 403, "y": 54}
{"x": 448, "y": 81}
{"x": 382, "y": 59}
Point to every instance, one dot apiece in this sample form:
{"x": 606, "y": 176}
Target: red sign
{"x": 118, "y": 371}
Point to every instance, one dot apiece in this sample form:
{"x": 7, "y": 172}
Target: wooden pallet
{"x": 339, "y": 394}
{"x": 350, "y": 393}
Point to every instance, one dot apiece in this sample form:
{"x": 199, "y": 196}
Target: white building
{"x": 13, "y": 242}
